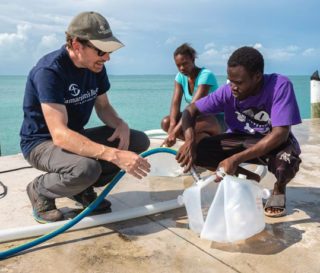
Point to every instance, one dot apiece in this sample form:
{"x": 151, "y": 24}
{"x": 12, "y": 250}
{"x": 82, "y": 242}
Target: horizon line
{"x": 152, "y": 74}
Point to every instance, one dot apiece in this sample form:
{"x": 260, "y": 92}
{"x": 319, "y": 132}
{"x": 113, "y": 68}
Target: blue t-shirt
{"x": 205, "y": 76}
{"x": 55, "y": 79}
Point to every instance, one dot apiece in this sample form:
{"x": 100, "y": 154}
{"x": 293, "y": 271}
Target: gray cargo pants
{"x": 69, "y": 174}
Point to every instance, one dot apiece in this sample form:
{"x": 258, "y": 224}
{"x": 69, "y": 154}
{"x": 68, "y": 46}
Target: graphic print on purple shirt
{"x": 275, "y": 105}
{"x": 255, "y": 120}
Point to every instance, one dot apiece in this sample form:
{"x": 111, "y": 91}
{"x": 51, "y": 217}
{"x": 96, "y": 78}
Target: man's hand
{"x": 187, "y": 152}
{"x": 122, "y": 132}
{"x": 229, "y": 166}
{"x": 132, "y": 163}
{"x": 186, "y": 155}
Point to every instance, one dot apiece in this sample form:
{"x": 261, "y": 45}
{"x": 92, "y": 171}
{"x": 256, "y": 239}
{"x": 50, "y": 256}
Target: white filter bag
{"x": 236, "y": 212}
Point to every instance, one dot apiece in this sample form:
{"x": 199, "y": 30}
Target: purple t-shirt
{"x": 275, "y": 105}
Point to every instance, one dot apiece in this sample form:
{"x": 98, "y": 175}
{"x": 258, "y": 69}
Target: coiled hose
{"x": 12, "y": 251}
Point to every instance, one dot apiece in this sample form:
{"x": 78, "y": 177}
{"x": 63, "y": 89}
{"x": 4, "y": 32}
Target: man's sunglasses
{"x": 88, "y": 44}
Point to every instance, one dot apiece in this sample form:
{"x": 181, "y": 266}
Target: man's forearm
{"x": 188, "y": 122}
{"x": 188, "y": 117}
{"x": 76, "y": 143}
{"x": 110, "y": 117}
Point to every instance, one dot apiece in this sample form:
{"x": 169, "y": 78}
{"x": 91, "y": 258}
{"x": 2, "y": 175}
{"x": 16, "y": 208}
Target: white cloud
{"x": 257, "y": 46}
{"x": 9, "y": 39}
{"x": 311, "y": 52}
{"x": 13, "y": 46}
{"x": 47, "y": 43}
{"x": 171, "y": 40}
{"x": 288, "y": 53}
{"x": 48, "y": 40}
{"x": 209, "y": 46}
{"x": 293, "y": 48}
{"x": 278, "y": 54}
{"x": 308, "y": 52}
{"x": 215, "y": 56}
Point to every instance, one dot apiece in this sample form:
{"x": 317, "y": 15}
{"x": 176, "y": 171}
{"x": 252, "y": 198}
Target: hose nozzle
{"x": 194, "y": 174}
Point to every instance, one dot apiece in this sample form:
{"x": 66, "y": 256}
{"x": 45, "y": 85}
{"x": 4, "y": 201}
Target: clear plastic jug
{"x": 235, "y": 208}
{"x": 196, "y": 199}
{"x": 236, "y": 212}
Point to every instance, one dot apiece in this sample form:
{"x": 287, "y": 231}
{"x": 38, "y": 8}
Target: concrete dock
{"x": 163, "y": 242}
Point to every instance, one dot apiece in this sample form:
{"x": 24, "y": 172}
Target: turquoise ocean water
{"x": 140, "y": 100}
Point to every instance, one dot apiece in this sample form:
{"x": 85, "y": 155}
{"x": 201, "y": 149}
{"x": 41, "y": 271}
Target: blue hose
{"x": 7, "y": 253}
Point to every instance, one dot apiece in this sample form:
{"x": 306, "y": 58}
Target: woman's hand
{"x": 169, "y": 141}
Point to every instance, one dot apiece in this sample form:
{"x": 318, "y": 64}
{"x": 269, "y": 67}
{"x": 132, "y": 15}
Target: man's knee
{"x": 139, "y": 142}
{"x": 209, "y": 152}
{"x": 284, "y": 166}
{"x": 86, "y": 171}
{"x": 104, "y": 179}
{"x": 145, "y": 142}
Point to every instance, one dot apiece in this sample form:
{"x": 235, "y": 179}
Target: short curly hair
{"x": 248, "y": 57}
{"x": 187, "y": 50}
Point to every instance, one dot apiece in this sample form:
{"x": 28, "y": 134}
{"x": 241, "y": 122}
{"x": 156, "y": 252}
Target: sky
{"x": 286, "y": 32}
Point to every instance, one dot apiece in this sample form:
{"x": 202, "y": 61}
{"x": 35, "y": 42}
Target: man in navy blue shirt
{"x": 61, "y": 92}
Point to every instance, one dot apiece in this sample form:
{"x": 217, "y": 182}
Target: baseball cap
{"x": 94, "y": 27}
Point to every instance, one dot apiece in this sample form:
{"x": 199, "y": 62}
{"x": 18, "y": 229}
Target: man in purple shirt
{"x": 259, "y": 112}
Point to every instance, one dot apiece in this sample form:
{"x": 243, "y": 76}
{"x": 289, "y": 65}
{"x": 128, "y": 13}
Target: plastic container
{"x": 236, "y": 212}
{"x": 227, "y": 211}
{"x": 197, "y": 199}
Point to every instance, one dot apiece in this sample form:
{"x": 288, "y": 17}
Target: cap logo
{"x": 103, "y": 30}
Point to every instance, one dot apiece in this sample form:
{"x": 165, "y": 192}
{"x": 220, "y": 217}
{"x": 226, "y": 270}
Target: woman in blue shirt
{"x": 192, "y": 83}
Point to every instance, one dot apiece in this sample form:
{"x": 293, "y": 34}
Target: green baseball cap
{"x": 94, "y": 27}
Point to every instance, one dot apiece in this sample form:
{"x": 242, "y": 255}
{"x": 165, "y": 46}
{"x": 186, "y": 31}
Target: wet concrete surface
{"x": 163, "y": 242}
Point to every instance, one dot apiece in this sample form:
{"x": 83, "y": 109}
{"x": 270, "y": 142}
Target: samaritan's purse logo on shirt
{"x": 74, "y": 89}
{"x": 79, "y": 97}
